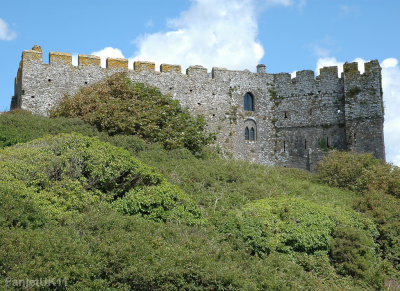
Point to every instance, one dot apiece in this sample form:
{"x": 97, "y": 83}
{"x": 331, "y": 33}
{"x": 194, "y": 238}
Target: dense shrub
{"x": 353, "y": 253}
{"x": 384, "y": 209}
{"x": 163, "y": 202}
{"x": 290, "y": 225}
{"x": 102, "y": 249}
{"x": 359, "y": 172}
{"x": 120, "y": 106}
{"x": 64, "y": 174}
{"x": 18, "y": 208}
{"x": 97, "y": 247}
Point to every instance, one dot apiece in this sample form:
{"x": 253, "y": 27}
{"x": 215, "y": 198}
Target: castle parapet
{"x": 196, "y": 71}
{"x": 372, "y": 66}
{"x": 218, "y": 72}
{"x": 115, "y": 63}
{"x": 283, "y": 78}
{"x": 328, "y": 73}
{"x": 33, "y": 56}
{"x": 350, "y": 70}
{"x": 140, "y": 66}
{"x": 88, "y": 60}
{"x": 60, "y": 58}
{"x": 170, "y": 68}
{"x": 305, "y": 76}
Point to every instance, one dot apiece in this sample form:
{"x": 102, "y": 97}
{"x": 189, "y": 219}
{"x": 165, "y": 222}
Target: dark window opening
{"x": 305, "y": 144}
{"x": 49, "y": 80}
{"x": 284, "y": 146}
{"x": 327, "y": 142}
{"x": 191, "y": 90}
{"x": 85, "y": 82}
{"x": 198, "y": 103}
{"x": 310, "y": 111}
{"x": 32, "y": 96}
{"x": 248, "y": 102}
{"x": 252, "y": 134}
{"x": 246, "y": 133}
{"x": 23, "y": 92}
{"x": 285, "y": 115}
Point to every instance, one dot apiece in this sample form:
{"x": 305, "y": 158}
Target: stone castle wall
{"x": 294, "y": 120}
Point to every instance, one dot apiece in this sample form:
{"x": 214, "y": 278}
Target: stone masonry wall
{"x": 295, "y": 120}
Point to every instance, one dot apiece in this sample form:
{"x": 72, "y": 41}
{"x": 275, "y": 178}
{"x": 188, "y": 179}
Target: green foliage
{"x": 359, "y": 172}
{"x": 352, "y": 253}
{"x": 20, "y": 126}
{"x": 17, "y": 207}
{"x": 163, "y": 202}
{"x": 290, "y": 225}
{"x": 102, "y": 249}
{"x": 119, "y": 106}
{"x": 323, "y": 144}
{"x": 66, "y": 173}
{"x": 64, "y": 202}
{"x": 384, "y": 209}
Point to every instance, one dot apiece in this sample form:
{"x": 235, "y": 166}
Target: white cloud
{"x": 5, "y": 32}
{"x": 108, "y": 52}
{"x": 211, "y": 33}
{"x": 221, "y": 33}
{"x": 391, "y": 98}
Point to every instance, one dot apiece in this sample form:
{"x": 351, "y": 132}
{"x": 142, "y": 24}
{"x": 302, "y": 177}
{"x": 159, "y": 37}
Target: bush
{"x": 290, "y": 225}
{"x": 17, "y": 207}
{"x": 163, "y": 202}
{"x": 359, "y": 172}
{"x": 353, "y": 253}
{"x": 64, "y": 174}
{"x": 384, "y": 209}
{"x": 120, "y": 106}
{"x": 102, "y": 249}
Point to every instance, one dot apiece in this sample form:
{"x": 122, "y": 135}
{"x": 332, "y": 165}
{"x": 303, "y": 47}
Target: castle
{"x": 270, "y": 119}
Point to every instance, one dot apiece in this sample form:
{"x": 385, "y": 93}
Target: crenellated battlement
{"x": 115, "y": 63}
{"x": 287, "y": 116}
{"x": 60, "y": 58}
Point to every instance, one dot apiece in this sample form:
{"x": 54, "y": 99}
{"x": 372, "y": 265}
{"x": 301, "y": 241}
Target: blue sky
{"x": 285, "y": 35}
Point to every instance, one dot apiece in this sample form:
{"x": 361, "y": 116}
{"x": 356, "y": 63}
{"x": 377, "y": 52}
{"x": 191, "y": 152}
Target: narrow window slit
{"x": 252, "y": 134}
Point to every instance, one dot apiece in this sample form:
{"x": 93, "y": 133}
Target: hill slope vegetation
{"x": 111, "y": 210}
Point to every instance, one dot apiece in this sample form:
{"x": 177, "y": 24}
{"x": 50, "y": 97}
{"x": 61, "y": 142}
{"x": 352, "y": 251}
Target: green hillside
{"x": 101, "y": 207}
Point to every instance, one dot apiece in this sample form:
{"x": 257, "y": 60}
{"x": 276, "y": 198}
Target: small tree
{"x": 119, "y": 106}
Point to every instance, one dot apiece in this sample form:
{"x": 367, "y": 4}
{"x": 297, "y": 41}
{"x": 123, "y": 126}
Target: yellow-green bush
{"x": 290, "y": 225}
{"x": 64, "y": 174}
{"x": 359, "y": 172}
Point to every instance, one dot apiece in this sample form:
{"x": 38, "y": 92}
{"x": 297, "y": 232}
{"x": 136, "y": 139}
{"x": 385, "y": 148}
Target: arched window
{"x": 246, "y": 133}
{"x": 252, "y": 135}
{"x": 248, "y": 102}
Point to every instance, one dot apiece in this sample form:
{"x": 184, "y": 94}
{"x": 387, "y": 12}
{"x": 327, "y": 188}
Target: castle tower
{"x": 364, "y": 113}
